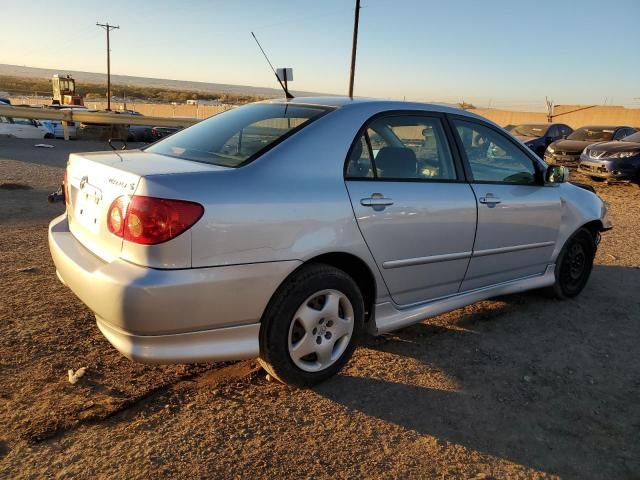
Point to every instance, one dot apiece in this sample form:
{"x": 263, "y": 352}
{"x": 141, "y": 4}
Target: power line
{"x": 108, "y": 29}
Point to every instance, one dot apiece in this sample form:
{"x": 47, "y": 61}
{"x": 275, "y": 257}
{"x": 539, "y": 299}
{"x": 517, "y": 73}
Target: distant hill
{"x": 92, "y": 77}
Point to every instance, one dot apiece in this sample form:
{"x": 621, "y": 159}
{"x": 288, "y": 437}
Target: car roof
{"x": 344, "y": 101}
{"x": 608, "y": 127}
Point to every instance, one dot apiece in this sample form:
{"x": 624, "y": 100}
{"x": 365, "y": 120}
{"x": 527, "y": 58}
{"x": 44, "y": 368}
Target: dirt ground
{"x": 517, "y": 387}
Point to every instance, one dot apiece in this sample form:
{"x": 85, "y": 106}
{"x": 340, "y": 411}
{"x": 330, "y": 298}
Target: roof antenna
{"x": 282, "y": 85}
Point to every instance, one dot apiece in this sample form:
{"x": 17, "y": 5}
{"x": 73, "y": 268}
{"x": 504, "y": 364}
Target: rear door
{"x": 416, "y": 214}
{"x": 518, "y": 216}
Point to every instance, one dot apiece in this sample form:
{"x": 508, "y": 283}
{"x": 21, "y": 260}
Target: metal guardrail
{"x": 108, "y": 118}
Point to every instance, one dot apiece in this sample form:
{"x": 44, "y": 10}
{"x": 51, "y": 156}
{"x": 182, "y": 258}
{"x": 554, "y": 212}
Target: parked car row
{"x": 603, "y": 152}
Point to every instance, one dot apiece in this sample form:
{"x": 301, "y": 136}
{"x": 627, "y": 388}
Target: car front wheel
{"x": 309, "y": 329}
{"x": 574, "y": 264}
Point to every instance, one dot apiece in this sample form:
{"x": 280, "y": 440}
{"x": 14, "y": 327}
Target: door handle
{"x": 376, "y": 201}
{"x": 489, "y": 200}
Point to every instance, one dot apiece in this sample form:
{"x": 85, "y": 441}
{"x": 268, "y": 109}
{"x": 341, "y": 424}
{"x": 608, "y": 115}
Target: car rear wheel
{"x": 574, "y": 264}
{"x": 597, "y": 179}
{"x": 309, "y": 329}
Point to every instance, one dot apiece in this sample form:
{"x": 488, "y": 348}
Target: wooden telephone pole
{"x": 108, "y": 29}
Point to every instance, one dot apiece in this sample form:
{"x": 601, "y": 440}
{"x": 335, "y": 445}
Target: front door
{"x": 518, "y": 216}
{"x": 417, "y": 218}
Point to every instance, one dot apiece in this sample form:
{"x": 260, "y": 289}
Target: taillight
{"x": 150, "y": 220}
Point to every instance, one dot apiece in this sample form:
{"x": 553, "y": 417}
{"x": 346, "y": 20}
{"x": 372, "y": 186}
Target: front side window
{"x": 554, "y": 132}
{"x": 493, "y": 157}
{"x": 233, "y": 137}
{"x": 402, "y": 147}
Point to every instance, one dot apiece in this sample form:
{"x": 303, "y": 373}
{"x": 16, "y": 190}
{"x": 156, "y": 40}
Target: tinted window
{"x": 554, "y": 132}
{"x": 359, "y": 164}
{"x": 565, "y": 130}
{"x": 620, "y": 134}
{"x": 230, "y": 138}
{"x": 493, "y": 157}
{"x": 404, "y": 147}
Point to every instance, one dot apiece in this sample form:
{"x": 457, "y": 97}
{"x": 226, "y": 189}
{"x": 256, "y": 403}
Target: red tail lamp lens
{"x": 150, "y": 220}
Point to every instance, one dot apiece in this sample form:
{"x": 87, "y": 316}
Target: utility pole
{"x": 108, "y": 28}
{"x": 550, "y": 108}
{"x": 354, "y": 47}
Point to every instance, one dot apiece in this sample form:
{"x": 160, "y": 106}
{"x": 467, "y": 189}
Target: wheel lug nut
{"x": 315, "y": 330}
{"x": 321, "y": 321}
{"x": 327, "y": 335}
{"x": 318, "y": 340}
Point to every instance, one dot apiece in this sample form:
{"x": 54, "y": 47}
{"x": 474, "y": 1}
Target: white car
{"x": 23, "y": 128}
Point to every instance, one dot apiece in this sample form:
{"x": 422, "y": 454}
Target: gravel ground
{"x": 517, "y": 387}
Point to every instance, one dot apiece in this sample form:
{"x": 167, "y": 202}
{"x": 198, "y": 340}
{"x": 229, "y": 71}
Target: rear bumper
{"x": 169, "y": 315}
{"x": 220, "y": 344}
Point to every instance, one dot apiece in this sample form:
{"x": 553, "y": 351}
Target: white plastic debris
{"x": 43, "y": 145}
{"x": 77, "y": 375}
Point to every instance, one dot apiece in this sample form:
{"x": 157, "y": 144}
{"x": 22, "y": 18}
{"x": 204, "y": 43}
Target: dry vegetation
{"x": 516, "y": 387}
{"x": 95, "y": 91}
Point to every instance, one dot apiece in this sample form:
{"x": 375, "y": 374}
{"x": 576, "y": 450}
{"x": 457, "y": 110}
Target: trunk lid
{"x": 96, "y": 179}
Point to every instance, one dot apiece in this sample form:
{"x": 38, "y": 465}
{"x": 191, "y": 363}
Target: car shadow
{"x": 550, "y": 385}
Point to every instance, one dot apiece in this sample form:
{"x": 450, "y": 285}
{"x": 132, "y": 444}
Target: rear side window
{"x": 399, "y": 147}
{"x": 240, "y": 135}
{"x": 493, "y": 157}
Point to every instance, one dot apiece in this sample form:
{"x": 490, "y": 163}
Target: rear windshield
{"x": 592, "y": 134}
{"x": 238, "y": 136}
{"x": 529, "y": 130}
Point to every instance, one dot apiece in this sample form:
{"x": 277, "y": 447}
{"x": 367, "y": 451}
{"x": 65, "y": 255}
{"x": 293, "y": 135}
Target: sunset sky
{"x": 500, "y": 53}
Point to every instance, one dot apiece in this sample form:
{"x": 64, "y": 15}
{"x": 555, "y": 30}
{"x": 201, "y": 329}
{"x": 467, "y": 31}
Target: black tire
{"x": 597, "y": 179}
{"x": 574, "y": 265}
{"x": 49, "y": 136}
{"x": 279, "y": 315}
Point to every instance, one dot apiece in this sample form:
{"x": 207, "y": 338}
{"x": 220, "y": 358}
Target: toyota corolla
{"x": 284, "y": 230}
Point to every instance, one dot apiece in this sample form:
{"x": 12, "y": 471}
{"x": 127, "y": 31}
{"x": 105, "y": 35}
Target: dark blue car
{"x": 538, "y": 136}
{"x": 614, "y": 160}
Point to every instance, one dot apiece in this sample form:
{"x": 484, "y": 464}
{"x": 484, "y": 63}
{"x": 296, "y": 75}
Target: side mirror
{"x": 556, "y": 174}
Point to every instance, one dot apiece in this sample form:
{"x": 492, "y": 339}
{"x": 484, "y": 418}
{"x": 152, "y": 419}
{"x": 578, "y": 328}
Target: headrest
{"x": 396, "y": 162}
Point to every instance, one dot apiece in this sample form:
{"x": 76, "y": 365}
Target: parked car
{"x": 615, "y": 160}
{"x": 23, "y": 128}
{"x": 285, "y": 229}
{"x": 538, "y": 136}
{"x": 160, "y": 132}
{"x": 55, "y": 126}
{"x": 140, "y": 133}
{"x": 568, "y": 151}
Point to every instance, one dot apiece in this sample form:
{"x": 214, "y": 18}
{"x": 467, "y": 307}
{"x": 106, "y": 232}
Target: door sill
{"x": 389, "y": 316}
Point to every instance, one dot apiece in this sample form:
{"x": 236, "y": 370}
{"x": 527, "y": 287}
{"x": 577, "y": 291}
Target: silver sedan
{"x": 286, "y": 229}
